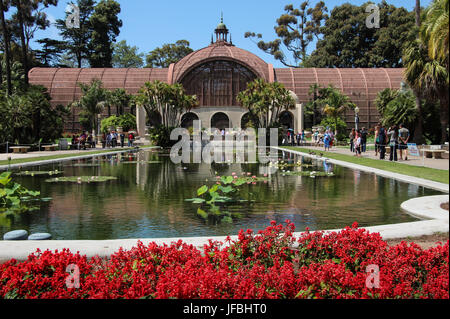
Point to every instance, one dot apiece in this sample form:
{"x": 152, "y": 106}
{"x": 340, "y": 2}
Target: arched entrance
{"x": 287, "y": 120}
{"x": 220, "y": 121}
{"x": 187, "y": 120}
{"x": 154, "y": 119}
{"x": 246, "y": 121}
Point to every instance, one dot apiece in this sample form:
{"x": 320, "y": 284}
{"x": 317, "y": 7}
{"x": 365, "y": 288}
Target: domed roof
{"x": 221, "y": 26}
{"x": 221, "y": 51}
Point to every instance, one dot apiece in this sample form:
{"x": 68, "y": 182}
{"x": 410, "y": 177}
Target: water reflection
{"x": 148, "y": 199}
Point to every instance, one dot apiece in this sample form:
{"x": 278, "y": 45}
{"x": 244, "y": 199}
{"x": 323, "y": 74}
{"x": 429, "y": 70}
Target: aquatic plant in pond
{"x": 38, "y": 173}
{"x": 14, "y": 197}
{"x": 81, "y": 179}
{"x": 312, "y": 174}
{"x": 214, "y": 199}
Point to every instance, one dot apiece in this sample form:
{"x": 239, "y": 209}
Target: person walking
{"x": 393, "y": 142}
{"x": 352, "y": 138}
{"x": 130, "y": 139}
{"x": 363, "y": 137}
{"x": 377, "y": 139}
{"x": 382, "y": 136}
{"x": 122, "y": 139}
{"x": 327, "y": 140}
{"x": 403, "y": 134}
{"x": 108, "y": 140}
{"x": 357, "y": 144}
{"x": 103, "y": 140}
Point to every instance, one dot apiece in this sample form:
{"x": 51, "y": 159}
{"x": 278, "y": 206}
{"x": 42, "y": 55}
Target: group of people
{"x": 108, "y": 140}
{"x": 294, "y": 139}
{"x": 358, "y": 141}
{"x": 396, "y": 137}
{"x": 112, "y": 139}
{"x": 83, "y": 140}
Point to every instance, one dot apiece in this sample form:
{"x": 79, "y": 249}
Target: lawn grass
{"x": 437, "y": 175}
{"x": 53, "y": 157}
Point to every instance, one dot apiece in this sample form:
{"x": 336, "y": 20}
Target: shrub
{"x": 269, "y": 264}
{"x": 126, "y": 121}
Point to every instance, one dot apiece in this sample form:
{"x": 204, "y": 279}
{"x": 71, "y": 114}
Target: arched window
{"x": 287, "y": 120}
{"x": 220, "y": 121}
{"x": 217, "y": 83}
{"x": 187, "y": 120}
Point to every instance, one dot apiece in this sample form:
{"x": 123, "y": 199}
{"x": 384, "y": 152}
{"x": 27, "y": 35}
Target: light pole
{"x": 99, "y": 119}
{"x": 356, "y": 118}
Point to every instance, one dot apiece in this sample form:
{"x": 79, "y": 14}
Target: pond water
{"x": 148, "y": 199}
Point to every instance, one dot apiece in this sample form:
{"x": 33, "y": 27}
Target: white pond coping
{"x": 436, "y": 220}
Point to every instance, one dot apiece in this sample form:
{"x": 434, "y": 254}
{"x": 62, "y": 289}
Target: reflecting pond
{"x": 148, "y": 198}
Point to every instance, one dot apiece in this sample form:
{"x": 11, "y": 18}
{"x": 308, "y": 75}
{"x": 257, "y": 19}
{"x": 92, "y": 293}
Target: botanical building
{"x": 216, "y": 74}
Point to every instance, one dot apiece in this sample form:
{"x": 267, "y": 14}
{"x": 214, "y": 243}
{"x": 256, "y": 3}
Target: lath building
{"x": 216, "y": 74}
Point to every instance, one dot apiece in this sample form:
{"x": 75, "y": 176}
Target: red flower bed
{"x": 270, "y": 264}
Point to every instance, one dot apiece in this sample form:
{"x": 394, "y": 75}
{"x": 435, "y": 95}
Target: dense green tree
{"x": 126, "y": 56}
{"x": 92, "y": 102}
{"x": 4, "y": 6}
{"x": 29, "y": 17}
{"x": 105, "y": 29}
{"x": 119, "y": 99}
{"x": 399, "y": 106}
{"x": 265, "y": 102}
{"x": 436, "y": 30}
{"x": 126, "y": 121}
{"x": 335, "y": 104}
{"x": 77, "y": 39}
{"x": 169, "y": 101}
{"x": 348, "y": 42}
{"x": 429, "y": 79}
{"x": 396, "y": 107}
{"x": 169, "y": 53}
{"x": 313, "y": 107}
{"x": 296, "y": 29}
{"x": 50, "y": 53}
{"x": 27, "y": 116}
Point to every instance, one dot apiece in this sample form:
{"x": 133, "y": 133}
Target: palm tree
{"x": 414, "y": 58}
{"x": 170, "y": 101}
{"x": 436, "y": 30}
{"x": 4, "y": 27}
{"x": 336, "y": 103}
{"x": 92, "y": 101}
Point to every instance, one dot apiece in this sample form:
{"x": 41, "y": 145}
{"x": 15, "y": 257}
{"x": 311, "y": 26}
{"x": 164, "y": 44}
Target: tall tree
{"x": 436, "y": 30}
{"x": 265, "y": 102}
{"x": 29, "y": 17}
{"x": 77, "y": 39}
{"x": 4, "y": 4}
{"x": 169, "y": 101}
{"x": 335, "y": 105}
{"x": 296, "y": 30}
{"x": 126, "y": 56}
{"x": 168, "y": 54}
{"x": 348, "y": 42}
{"x": 91, "y": 102}
{"x": 51, "y": 51}
{"x": 105, "y": 29}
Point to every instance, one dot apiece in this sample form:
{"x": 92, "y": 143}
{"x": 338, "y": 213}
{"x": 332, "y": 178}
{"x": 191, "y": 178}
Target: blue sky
{"x": 150, "y": 24}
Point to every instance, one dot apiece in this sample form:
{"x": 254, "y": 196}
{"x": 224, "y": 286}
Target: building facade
{"x": 216, "y": 74}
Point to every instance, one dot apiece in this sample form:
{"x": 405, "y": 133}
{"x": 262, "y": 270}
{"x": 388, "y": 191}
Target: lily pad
{"x": 81, "y": 179}
{"x": 38, "y": 173}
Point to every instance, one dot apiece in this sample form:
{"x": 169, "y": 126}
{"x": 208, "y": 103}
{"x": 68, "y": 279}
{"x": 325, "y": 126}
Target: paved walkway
{"x": 4, "y": 156}
{"x": 415, "y": 161}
